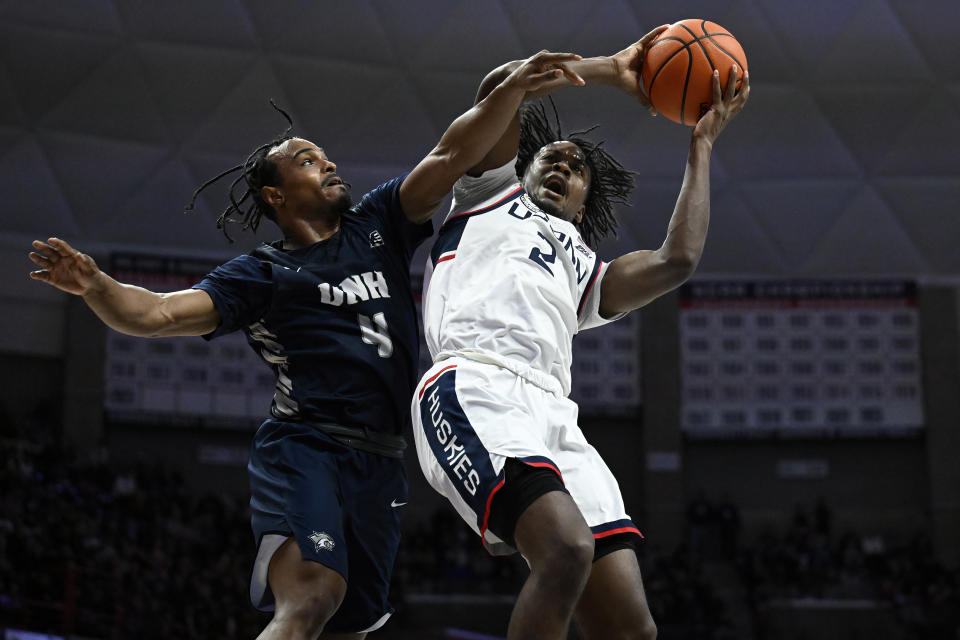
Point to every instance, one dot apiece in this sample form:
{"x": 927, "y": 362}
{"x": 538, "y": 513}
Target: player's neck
{"x": 301, "y": 233}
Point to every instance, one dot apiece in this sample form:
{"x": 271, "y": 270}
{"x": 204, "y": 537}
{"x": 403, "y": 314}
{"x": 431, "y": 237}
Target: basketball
{"x": 677, "y": 72}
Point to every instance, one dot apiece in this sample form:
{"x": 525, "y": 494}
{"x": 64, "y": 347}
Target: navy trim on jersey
{"x": 541, "y": 461}
{"x": 442, "y": 416}
{"x": 615, "y": 527}
{"x": 448, "y": 239}
{"x": 513, "y": 195}
{"x": 593, "y": 278}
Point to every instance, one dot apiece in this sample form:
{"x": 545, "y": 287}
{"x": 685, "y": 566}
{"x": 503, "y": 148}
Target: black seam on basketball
{"x": 732, "y": 57}
{"x": 686, "y": 47}
{"x": 664, "y": 63}
{"x": 686, "y": 82}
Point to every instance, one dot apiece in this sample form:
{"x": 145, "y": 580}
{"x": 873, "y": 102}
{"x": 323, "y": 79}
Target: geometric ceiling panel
{"x": 872, "y": 47}
{"x": 171, "y": 226}
{"x": 342, "y": 116}
{"x": 858, "y": 113}
{"x": 33, "y": 201}
{"x": 606, "y": 23}
{"x": 922, "y": 148}
{"x": 783, "y": 135}
{"x": 845, "y": 160}
{"x": 345, "y": 31}
{"x": 44, "y": 66}
{"x": 89, "y": 16}
{"x": 95, "y": 107}
{"x": 865, "y": 230}
{"x": 932, "y": 25}
{"x": 482, "y": 36}
{"x": 211, "y": 23}
{"x": 928, "y": 209}
{"x": 535, "y": 33}
{"x": 97, "y": 174}
{"x": 808, "y": 30}
{"x": 795, "y": 215}
{"x": 736, "y": 243}
{"x": 10, "y": 111}
{"x": 189, "y": 83}
{"x": 244, "y": 118}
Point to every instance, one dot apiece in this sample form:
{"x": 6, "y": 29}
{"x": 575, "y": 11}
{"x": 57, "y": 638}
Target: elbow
{"x": 681, "y": 265}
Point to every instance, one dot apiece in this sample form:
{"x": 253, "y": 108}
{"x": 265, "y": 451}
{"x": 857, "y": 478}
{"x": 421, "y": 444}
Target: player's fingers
{"x": 548, "y": 76}
{"x": 732, "y": 83}
{"x": 553, "y": 56}
{"x": 717, "y": 97}
{"x": 650, "y": 37}
{"x": 40, "y": 259}
{"x": 61, "y": 247}
{"x": 41, "y": 274}
{"x": 46, "y": 250}
{"x": 572, "y": 75}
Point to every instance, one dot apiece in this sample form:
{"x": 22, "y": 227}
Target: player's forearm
{"x": 125, "y": 308}
{"x": 687, "y": 231}
{"x": 471, "y": 136}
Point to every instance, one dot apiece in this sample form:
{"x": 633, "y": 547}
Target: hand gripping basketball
{"x": 678, "y": 68}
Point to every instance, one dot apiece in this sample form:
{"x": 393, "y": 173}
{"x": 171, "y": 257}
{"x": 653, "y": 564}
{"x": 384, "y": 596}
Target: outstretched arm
{"x": 639, "y": 277}
{"x": 471, "y": 136}
{"x": 125, "y": 308}
{"x": 621, "y": 70}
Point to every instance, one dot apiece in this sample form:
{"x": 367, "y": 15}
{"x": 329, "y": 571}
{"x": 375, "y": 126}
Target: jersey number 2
{"x": 542, "y": 258}
{"x": 374, "y": 331}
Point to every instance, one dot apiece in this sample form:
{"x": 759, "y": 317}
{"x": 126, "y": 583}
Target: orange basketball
{"x": 677, "y": 71}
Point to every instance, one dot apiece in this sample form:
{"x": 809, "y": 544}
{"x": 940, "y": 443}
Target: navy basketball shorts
{"x": 341, "y": 505}
{"x": 470, "y": 417}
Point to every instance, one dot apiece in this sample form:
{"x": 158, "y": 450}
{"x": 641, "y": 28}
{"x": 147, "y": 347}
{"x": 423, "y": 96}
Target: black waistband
{"x": 364, "y": 439}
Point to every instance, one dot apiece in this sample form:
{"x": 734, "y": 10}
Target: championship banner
{"x": 800, "y": 358}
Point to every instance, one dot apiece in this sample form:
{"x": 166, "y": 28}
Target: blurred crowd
{"x": 808, "y": 559}
{"x": 117, "y": 550}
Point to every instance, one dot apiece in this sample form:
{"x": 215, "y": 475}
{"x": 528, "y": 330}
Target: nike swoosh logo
{"x": 396, "y": 504}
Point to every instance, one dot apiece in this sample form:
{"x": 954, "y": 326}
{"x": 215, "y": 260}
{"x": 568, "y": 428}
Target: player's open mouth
{"x": 332, "y": 181}
{"x": 556, "y": 185}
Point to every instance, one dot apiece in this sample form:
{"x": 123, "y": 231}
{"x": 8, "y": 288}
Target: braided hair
{"x": 247, "y": 206}
{"x": 610, "y": 183}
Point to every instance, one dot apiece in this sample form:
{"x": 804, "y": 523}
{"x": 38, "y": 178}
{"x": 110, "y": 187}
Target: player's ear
{"x": 579, "y": 215}
{"x": 272, "y": 196}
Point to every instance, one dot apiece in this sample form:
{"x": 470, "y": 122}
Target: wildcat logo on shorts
{"x": 322, "y": 541}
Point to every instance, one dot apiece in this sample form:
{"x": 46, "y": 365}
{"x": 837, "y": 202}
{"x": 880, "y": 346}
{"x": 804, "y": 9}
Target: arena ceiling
{"x": 845, "y": 162}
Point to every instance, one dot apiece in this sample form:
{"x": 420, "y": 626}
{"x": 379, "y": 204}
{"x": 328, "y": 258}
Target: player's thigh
{"x": 550, "y": 527}
{"x": 614, "y": 603}
{"x": 298, "y": 583}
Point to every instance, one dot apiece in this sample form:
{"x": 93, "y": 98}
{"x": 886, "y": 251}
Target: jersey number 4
{"x": 374, "y": 331}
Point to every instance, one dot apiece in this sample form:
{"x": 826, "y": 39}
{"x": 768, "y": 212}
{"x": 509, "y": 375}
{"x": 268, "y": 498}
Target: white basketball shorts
{"x": 469, "y": 417}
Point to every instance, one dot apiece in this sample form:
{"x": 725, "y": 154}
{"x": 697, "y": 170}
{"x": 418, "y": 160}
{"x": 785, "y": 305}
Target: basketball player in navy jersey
{"x": 329, "y": 309}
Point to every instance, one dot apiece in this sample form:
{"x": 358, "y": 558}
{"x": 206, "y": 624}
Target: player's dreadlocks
{"x": 257, "y": 171}
{"x": 610, "y": 183}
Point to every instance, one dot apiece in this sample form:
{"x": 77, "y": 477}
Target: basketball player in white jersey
{"x": 514, "y": 278}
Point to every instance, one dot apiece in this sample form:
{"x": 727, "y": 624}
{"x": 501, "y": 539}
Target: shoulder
{"x": 472, "y": 192}
{"x": 383, "y": 196}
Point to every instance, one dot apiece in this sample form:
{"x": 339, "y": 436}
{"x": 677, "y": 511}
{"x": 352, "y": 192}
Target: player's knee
{"x": 568, "y": 557}
{"x": 310, "y": 613}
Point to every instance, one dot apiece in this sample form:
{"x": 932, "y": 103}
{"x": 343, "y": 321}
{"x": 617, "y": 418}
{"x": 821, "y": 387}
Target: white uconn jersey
{"x": 509, "y": 283}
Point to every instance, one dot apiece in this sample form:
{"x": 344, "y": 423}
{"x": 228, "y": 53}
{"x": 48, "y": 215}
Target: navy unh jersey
{"x": 336, "y": 321}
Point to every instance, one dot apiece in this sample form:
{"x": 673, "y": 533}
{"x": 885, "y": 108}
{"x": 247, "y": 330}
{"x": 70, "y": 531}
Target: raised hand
{"x": 724, "y": 106}
{"x": 545, "y": 71}
{"x": 64, "y": 267}
{"x": 629, "y": 62}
